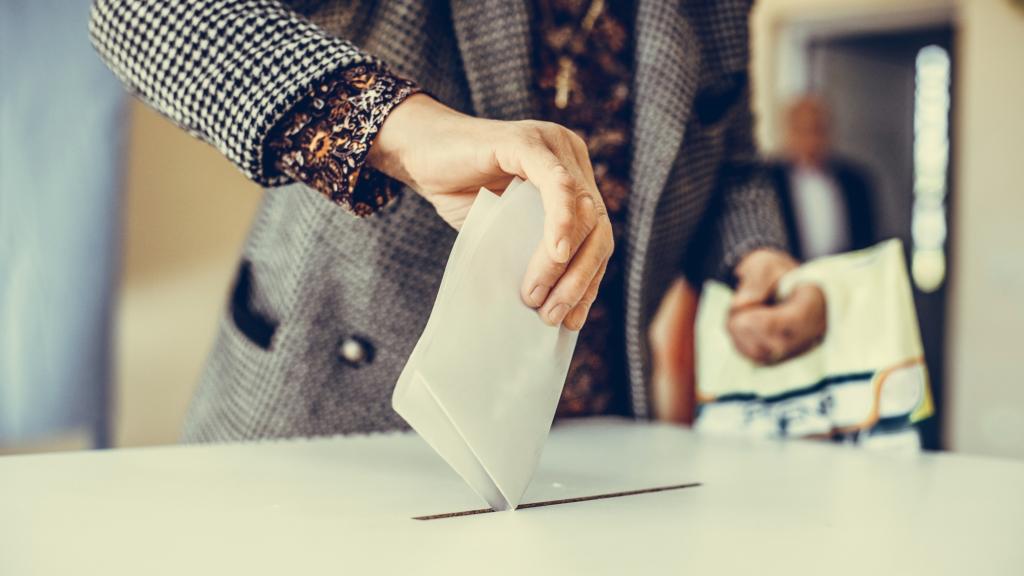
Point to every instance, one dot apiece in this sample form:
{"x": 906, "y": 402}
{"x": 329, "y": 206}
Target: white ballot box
{"x": 347, "y": 506}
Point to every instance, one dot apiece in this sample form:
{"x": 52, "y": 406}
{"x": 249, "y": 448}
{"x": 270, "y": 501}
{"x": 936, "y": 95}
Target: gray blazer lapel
{"x": 667, "y": 70}
{"x": 494, "y": 40}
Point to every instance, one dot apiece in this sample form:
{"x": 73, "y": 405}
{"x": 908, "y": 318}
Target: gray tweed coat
{"x": 327, "y": 307}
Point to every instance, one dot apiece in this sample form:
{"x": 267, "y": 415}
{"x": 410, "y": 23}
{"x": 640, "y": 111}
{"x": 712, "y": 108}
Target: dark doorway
{"x": 889, "y": 112}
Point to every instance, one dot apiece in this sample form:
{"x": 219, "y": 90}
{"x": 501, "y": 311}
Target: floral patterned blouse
{"x": 583, "y": 62}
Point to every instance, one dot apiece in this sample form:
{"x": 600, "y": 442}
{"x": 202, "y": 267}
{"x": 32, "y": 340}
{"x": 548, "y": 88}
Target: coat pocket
{"x": 251, "y": 324}
{"x": 714, "y": 102}
{"x": 236, "y": 390}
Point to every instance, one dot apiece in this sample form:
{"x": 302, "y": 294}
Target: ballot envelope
{"x": 483, "y": 382}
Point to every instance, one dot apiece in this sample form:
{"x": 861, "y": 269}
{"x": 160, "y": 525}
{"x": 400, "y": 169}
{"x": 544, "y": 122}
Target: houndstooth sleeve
{"x": 747, "y": 215}
{"x": 225, "y": 70}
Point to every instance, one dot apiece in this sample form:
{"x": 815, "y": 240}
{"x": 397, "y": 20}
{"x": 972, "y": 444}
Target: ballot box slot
{"x": 562, "y": 501}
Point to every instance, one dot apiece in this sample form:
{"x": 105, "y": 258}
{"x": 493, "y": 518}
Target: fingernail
{"x": 562, "y": 250}
{"x": 538, "y": 294}
{"x": 579, "y": 319}
{"x": 557, "y": 313}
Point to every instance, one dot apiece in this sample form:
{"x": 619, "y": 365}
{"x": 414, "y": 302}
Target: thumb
{"x": 752, "y": 290}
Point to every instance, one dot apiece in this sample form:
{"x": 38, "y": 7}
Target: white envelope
{"x": 483, "y": 382}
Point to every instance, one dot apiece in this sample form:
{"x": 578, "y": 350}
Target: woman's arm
{"x": 251, "y": 76}
{"x": 748, "y": 244}
{"x": 748, "y": 216}
{"x": 227, "y": 71}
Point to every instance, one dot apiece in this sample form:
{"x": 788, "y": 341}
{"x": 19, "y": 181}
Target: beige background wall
{"x": 185, "y": 216}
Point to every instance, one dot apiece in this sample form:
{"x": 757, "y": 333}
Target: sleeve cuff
{"x": 745, "y": 218}
{"x": 324, "y": 140}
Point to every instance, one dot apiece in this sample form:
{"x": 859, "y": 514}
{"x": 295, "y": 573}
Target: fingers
{"x": 751, "y": 292}
{"x": 565, "y": 272}
{"x": 557, "y": 290}
{"x": 577, "y": 317}
{"x": 808, "y": 318}
{"x": 762, "y": 335}
{"x": 572, "y": 285}
{"x": 600, "y": 242}
{"x": 755, "y": 287}
{"x": 559, "y": 190}
{"x": 751, "y": 331}
{"x": 771, "y": 334}
{"x": 543, "y": 272}
{"x": 758, "y": 274}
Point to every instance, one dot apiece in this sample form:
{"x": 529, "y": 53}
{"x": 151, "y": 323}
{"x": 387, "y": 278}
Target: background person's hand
{"x": 447, "y": 157}
{"x": 763, "y": 330}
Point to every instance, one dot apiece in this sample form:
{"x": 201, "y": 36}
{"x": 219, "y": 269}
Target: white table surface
{"x": 344, "y": 506}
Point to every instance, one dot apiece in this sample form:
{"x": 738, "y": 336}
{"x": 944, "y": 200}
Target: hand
{"x": 768, "y": 332}
{"x": 446, "y": 157}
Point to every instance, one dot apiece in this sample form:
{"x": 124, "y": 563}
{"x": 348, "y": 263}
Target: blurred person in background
{"x": 378, "y": 123}
{"x": 826, "y": 206}
{"x": 826, "y": 200}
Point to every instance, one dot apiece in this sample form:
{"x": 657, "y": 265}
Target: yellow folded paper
{"x": 868, "y": 372}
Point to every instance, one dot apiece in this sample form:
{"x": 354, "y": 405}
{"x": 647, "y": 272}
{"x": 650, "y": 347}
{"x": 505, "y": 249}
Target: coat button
{"x": 355, "y": 351}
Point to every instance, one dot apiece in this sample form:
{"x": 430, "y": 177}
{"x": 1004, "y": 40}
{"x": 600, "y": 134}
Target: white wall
{"x": 985, "y": 385}
{"x": 987, "y": 331}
